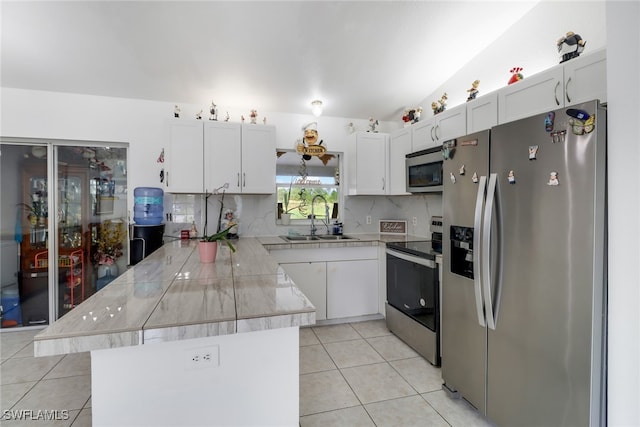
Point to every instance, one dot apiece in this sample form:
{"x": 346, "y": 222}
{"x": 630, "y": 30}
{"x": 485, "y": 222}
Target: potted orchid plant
{"x": 208, "y": 245}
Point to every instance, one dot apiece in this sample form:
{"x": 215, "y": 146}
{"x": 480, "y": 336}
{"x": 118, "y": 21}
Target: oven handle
{"x": 411, "y": 258}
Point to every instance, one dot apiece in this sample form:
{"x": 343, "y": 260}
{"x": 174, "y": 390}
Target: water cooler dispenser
{"x": 148, "y": 231}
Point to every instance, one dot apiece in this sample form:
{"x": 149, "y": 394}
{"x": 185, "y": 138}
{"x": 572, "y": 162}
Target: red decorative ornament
{"x": 516, "y": 75}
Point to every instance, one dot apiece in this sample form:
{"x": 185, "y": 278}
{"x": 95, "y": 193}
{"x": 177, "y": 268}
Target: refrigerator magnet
{"x": 558, "y": 136}
{"x": 553, "y": 179}
{"x": 511, "y": 177}
{"x": 452, "y": 177}
{"x": 474, "y": 178}
{"x": 462, "y": 170}
{"x": 548, "y": 121}
{"x": 533, "y": 152}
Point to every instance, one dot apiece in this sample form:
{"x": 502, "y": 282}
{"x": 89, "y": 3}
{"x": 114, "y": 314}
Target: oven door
{"x": 412, "y": 287}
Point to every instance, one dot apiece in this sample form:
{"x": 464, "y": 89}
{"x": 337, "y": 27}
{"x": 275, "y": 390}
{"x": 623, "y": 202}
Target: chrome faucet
{"x": 313, "y": 216}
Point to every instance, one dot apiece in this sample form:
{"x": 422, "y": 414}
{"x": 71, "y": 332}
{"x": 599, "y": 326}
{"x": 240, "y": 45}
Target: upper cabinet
{"x": 400, "y": 144}
{"x": 367, "y": 163}
{"x": 184, "y": 168}
{"x": 577, "y": 80}
{"x": 441, "y": 127}
{"x": 202, "y": 156}
{"x": 482, "y": 113}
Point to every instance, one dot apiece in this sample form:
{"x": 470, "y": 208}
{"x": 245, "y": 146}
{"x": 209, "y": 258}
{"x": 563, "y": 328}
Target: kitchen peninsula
{"x": 174, "y": 341}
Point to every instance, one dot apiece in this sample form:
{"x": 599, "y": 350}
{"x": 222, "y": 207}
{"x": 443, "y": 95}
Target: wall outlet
{"x": 368, "y": 219}
{"x": 202, "y": 357}
{"x": 414, "y": 221}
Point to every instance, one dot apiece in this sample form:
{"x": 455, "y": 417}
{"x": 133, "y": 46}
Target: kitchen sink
{"x": 296, "y": 238}
{"x": 308, "y": 237}
{"x": 334, "y": 237}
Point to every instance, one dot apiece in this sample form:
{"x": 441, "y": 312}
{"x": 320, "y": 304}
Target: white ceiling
{"x": 362, "y": 58}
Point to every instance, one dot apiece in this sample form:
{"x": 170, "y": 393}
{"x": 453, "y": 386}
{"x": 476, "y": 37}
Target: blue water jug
{"x": 148, "y": 205}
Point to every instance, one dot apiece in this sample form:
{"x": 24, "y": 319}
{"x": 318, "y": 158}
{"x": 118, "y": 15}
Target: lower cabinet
{"x": 352, "y": 288}
{"x": 339, "y": 282}
{"x": 311, "y": 279}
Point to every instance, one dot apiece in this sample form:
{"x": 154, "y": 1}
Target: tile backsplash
{"x": 256, "y": 214}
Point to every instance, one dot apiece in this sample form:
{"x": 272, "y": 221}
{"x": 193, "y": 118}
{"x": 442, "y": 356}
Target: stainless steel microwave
{"x": 424, "y": 171}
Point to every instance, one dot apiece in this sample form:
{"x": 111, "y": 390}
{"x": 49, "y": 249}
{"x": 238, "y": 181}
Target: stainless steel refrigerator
{"x": 524, "y": 302}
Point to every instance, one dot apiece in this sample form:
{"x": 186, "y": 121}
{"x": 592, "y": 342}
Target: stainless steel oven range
{"x": 413, "y": 296}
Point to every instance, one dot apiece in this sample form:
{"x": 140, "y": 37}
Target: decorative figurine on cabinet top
{"x": 516, "y": 75}
{"x": 176, "y": 111}
{"x": 570, "y": 46}
{"x": 373, "y": 125}
{"x": 253, "y": 116}
{"x": 199, "y": 115}
{"x": 473, "y": 91}
{"x": 440, "y": 105}
{"x": 213, "y": 112}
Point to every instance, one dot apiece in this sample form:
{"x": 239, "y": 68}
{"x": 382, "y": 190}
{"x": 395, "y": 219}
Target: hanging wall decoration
{"x": 309, "y": 146}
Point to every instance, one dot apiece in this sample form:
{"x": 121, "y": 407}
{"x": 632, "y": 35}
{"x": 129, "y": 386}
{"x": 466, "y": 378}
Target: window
{"x": 299, "y": 181}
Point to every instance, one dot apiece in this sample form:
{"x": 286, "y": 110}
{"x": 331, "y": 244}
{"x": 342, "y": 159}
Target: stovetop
{"x": 420, "y": 248}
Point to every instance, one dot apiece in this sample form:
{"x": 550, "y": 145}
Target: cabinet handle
{"x": 238, "y": 185}
{"x": 436, "y": 132}
{"x": 244, "y": 179}
{"x": 432, "y": 130}
{"x": 384, "y": 184}
{"x": 167, "y": 177}
{"x": 566, "y": 90}
{"x": 555, "y": 93}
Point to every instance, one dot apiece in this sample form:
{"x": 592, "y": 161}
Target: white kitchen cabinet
{"x": 184, "y": 167}
{"x": 432, "y": 132}
{"x": 311, "y": 279}
{"x": 242, "y": 155}
{"x": 577, "y": 80}
{"x": 352, "y": 288}
{"x": 339, "y": 281}
{"x": 482, "y": 113}
{"x": 399, "y": 146}
{"x": 367, "y": 163}
{"x": 222, "y": 156}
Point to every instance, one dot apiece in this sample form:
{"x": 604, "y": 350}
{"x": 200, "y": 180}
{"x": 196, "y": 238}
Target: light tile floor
{"x": 359, "y": 374}
{"x": 355, "y": 374}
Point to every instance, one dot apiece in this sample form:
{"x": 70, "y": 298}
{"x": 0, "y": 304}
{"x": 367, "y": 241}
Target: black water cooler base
{"x": 145, "y": 240}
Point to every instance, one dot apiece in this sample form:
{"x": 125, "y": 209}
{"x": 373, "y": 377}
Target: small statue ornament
{"x": 213, "y": 112}
{"x": 440, "y": 105}
{"x": 570, "y": 46}
{"x": 473, "y": 91}
{"x": 253, "y": 116}
{"x": 373, "y": 125}
{"x": 176, "y": 111}
{"x": 516, "y": 75}
{"x": 199, "y": 115}
{"x": 411, "y": 116}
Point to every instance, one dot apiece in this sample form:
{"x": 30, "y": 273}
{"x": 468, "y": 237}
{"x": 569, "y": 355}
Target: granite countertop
{"x": 170, "y": 295}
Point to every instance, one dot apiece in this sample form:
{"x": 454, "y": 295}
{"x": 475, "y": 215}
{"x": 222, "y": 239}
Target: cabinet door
{"x": 222, "y": 156}
{"x": 423, "y": 136}
{"x": 370, "y": 170}
{"x": 184, "y": 157}
{"x": 482, "y": 113}
{"x": 399, "y": 147}
{"x": 451, "y": 124}
{"x": 585, "y": 78}
{"x": 311, "y": 279}
{"x": 258, "y": 159}
{"x": 352, "y": 288}
{"x": 532, "y": 95}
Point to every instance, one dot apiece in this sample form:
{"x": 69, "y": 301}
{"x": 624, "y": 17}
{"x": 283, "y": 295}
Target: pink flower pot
{"x": 208, "y": 251}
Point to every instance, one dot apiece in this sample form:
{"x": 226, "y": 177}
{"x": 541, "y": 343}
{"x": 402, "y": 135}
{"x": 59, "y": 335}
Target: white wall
{"x": 623, "y": 92}
{"x": 530, "y": 43}
{"x": 39, "y": 114}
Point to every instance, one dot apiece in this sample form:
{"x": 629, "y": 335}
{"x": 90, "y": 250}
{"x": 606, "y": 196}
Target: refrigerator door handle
{"x": 486, "y": 250}
{"x": 477, "y": 273}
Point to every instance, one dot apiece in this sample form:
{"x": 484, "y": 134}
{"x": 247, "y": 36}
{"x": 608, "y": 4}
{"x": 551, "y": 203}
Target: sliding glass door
{"x": 63, "y": 225}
